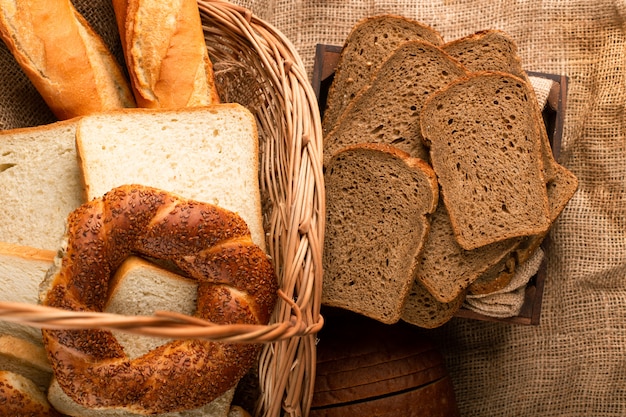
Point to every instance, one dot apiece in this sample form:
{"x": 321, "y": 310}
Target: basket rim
{"x": 287, "y": 361}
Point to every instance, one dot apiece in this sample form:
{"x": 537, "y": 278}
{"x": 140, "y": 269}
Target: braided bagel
{"x": 236, "y": 284}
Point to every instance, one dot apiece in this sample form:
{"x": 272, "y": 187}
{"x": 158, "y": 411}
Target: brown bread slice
{"x": 486, "y": 148}
{"x": 494, "y": 50}
{"x": 422, "y": 309}
{"x": 368, "y": 44}
{"x": 378, "y": 200}
{"x": 446, "y": 269}
{"x": 387, "y": 109}
{"x": 487, "y": 50}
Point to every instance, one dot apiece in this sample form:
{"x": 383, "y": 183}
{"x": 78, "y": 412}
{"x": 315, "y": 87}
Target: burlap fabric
{"x": 574, "y": 362}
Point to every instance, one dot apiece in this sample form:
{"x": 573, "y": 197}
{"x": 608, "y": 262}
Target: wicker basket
{"x": 259, "y": 68}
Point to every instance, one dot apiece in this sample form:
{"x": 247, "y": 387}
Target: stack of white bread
{"x": 164, "y": 127}
{"x": 439, "y": 172}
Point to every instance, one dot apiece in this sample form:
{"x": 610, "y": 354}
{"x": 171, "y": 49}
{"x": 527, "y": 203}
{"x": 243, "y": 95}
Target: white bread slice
{"x": 486, "y": 148}
{"x": 140, "y": 288}
{"x": 19, "y": 396}
{"x": 368, "y": 44}
{"x": 377, "y": 207}
{"x": 41, "y": 183}
{"x": 22, "y": 269}
{"x": 208, "y": 154}
{"x": 28, "y": 359}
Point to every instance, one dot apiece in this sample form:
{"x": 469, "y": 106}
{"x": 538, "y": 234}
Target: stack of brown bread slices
{"x": 468, "y": 111}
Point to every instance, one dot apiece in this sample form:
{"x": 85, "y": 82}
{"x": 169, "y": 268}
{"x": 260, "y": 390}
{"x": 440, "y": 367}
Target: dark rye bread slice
{"x": 485, "y": 146}
{"x": 487, "y": 50}
{"x": 387, "y": 109}
{"x": 494, "y": 50}
{"x": 422, "y": 309}
{"x": 446, "y": 269}
{"x": 368, "y": 44}
{"x": 378, "y": 200}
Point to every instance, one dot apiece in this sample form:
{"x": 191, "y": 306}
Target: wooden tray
{"x": 325, "y": 62}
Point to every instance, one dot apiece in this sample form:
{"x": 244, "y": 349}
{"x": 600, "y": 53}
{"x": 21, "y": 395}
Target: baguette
{"x": 166, "y": 54}
{"x": 67, "y": 62}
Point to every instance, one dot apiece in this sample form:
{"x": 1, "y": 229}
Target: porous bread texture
{"x": 208, "y": 154}
{"x": 25, "y": 358}
{"x": 368, "y": 44}
{"x": 138, "y": 288}
{"x": 486, "y": 148}
{"x": 41, "y": 183}
{"x": 378, "y": 200}
{"x": 387, "y": 109}
{"x": 22, "y": 268}
{"x": 487, "y": 50}
{"x": 422, "y": 309}
{"x": 446, "y": 269}
{"x": 19, "y": 396}
{"x": 495, "y": 50}
{"x": 497, "y": 276}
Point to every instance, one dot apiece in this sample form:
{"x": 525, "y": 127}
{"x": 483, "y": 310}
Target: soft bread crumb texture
{"x": 366, "y": 47}
{"x": 209, "y": 154}
{"x": 377, "y": 205}
{"x": 41, "y": 184}
{"x": 387, "y": 109}
{"x": 485, "y": 147}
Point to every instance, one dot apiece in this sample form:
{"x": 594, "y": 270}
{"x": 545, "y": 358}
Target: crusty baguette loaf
{"x": 486, "y": 148}
{"x": 207, "y": 154}
{"x": 67, "y": 62}
{"x": 387, "y": 109}
{"x": 22, "y": 269}
{"x": 19, "y": 396}
{"x": 378, "y": 203}
{"x": 138, "y": 288}
{"x": 166, "y": 54}
{"x": 26, "y": 358}
{"x": 368, "y": 44}
{"x": 41, "y": 183}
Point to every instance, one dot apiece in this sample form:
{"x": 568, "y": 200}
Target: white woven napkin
{"x": 508, "y": 301}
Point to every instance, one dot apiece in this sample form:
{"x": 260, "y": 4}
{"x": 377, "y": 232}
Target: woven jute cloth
{"x": 574, "y": 362}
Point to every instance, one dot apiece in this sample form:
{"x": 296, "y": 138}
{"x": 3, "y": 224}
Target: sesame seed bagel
{"x": 236, "y": 284}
